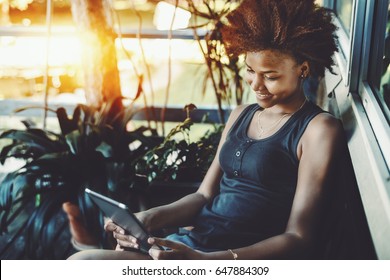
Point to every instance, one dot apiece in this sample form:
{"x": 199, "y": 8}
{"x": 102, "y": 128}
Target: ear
{"x": 305, "y": 69}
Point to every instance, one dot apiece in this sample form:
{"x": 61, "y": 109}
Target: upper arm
{"x": 320, "y": 145}
{"x": 210, "y": 184}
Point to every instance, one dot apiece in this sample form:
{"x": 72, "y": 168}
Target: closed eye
{"x": 270, "y": 78}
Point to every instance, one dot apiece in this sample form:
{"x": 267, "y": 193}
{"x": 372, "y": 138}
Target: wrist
{"x": 221, "y": 255}
{"x": 81, "y": 247}
{"x": 148, "y": 218}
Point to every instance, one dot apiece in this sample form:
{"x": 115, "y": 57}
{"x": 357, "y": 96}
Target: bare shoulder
{"x": 238, "y": 110}
{"x": 325, "y": 122}
{"x": 324, "y": 127}
{"x": 232, "y": 119}
{"x": 235, "y": 113}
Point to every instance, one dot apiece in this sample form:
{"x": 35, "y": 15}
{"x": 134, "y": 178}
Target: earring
{"x": 302, "y": 76}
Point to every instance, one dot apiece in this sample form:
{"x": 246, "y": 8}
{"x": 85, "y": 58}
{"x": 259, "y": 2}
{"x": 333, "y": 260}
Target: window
{"x": 344, "y": 15}
{"x": 362, "y": 103}
{"x": 25, "y": 51}
{"x": 383, "y": 94}
{"x": 343, "y": 11}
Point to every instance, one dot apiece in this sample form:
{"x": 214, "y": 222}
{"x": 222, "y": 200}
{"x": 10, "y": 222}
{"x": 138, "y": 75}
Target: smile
{"x": 263, "y": 95}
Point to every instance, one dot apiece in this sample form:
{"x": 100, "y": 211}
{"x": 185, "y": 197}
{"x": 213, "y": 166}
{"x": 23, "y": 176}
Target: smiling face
{"x": 275, "y": 78}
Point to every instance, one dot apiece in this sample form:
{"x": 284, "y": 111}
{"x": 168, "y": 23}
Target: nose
{"x": 257, "y": 83}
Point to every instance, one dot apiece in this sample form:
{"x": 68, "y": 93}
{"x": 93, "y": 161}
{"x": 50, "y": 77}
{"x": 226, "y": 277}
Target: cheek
{"x": 283, "y": 86}
{"x": 248, "y": 78}
{"x": 275, "y": 87}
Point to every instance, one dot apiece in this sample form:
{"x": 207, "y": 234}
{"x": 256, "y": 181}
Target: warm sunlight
{"x": 25, "y": 52}
{"x": 164, "y": 14}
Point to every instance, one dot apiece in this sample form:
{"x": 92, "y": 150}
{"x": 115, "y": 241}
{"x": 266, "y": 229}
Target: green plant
{"x": 93, "y": 149}
{"x": 181, "y": 159}
{"x": 223, "y": 71}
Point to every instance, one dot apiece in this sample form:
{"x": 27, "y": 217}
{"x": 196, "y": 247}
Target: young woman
{"x": 263, "y": 195}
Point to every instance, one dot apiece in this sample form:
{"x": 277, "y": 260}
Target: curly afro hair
{"x": 296, "y": 27}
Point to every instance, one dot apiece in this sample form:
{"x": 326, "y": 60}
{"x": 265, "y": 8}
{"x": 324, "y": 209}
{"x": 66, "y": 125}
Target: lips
{"x": 263, "y": 95}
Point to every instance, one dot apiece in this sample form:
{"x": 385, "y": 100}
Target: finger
{"x": 106, "y": 220}
{"x": 165, "y": 243}
{"x": 126, "y": 240}
{"x": 124, "y": 237}
{"x": 110, "y": 226}
{"x": 107, "y": 224}
{"x": 157, "y": 254}
{"x": 126, "y": 244}
{"x": 119, "y": 248}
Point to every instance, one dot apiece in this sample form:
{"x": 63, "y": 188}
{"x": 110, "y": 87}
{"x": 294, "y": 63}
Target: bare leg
{"x": 76, "y": 226}
{"x": 99, "y": 254}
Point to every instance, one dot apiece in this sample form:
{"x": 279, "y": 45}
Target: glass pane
{"x": 33, "y": 13}
{"x": 344, "y": 12}
{"x": 384, "y": 93}
{"x": 23, "y": 54}
{"x": 188, "y": 71}
{"x": 24, "y": 50}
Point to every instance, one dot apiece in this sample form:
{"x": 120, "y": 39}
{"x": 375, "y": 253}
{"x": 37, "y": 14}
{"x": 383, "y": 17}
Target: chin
{"x": 265, "y": 103}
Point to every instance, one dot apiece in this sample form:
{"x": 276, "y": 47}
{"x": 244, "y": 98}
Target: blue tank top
{"x": 257, "y": 187}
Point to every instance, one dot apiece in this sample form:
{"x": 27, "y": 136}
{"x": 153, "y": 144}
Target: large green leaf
{"x": 93, "y": 150}
{"x": 35, "y": 138}
{"x": 42, "y": 230}
{"x": 73, "y": 139}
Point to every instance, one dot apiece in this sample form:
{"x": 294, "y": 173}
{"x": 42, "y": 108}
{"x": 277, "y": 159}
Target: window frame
{"x": 372, "y": 52}
{"x": 364, "y": 122}
{"x": 354, "y": 61}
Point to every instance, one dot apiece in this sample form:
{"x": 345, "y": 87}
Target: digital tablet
{"x": 120, "y": 214}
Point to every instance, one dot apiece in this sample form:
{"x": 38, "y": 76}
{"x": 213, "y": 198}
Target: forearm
{"x": 284, "y": 246}
{"x": 183, "y": 211}
{"x": 178, "y": 213}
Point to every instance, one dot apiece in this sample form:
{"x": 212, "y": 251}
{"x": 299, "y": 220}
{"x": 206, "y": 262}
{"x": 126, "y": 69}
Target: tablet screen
{"x": 120, "y": 214}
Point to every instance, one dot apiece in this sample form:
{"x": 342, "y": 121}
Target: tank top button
{"x": 235, "y": 173}
{"x": 238, "y": 153}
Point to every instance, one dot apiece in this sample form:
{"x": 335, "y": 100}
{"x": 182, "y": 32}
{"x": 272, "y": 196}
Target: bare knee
{"x": 100, "y": 254}
{"x": 87, "y": 255}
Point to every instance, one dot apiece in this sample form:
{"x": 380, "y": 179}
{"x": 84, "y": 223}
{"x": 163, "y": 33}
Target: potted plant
{"x": 93, "y": 151}
{"x": 177, "y": 166}
{"x": 222, "y": 71}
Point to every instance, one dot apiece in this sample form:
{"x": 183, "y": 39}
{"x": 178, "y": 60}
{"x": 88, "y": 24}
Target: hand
{"x": 123, "y": 240}
{"x": 178, "y": 251}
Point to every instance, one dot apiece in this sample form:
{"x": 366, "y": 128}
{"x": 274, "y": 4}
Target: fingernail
{"x": 122, "y": 231}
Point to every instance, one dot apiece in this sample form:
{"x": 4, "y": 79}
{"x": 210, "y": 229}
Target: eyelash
{"x": 270, "y": 78}
{"x": 265, "y": 77}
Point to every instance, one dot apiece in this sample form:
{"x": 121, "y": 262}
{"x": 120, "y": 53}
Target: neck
{"x": 288, "y": 108}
